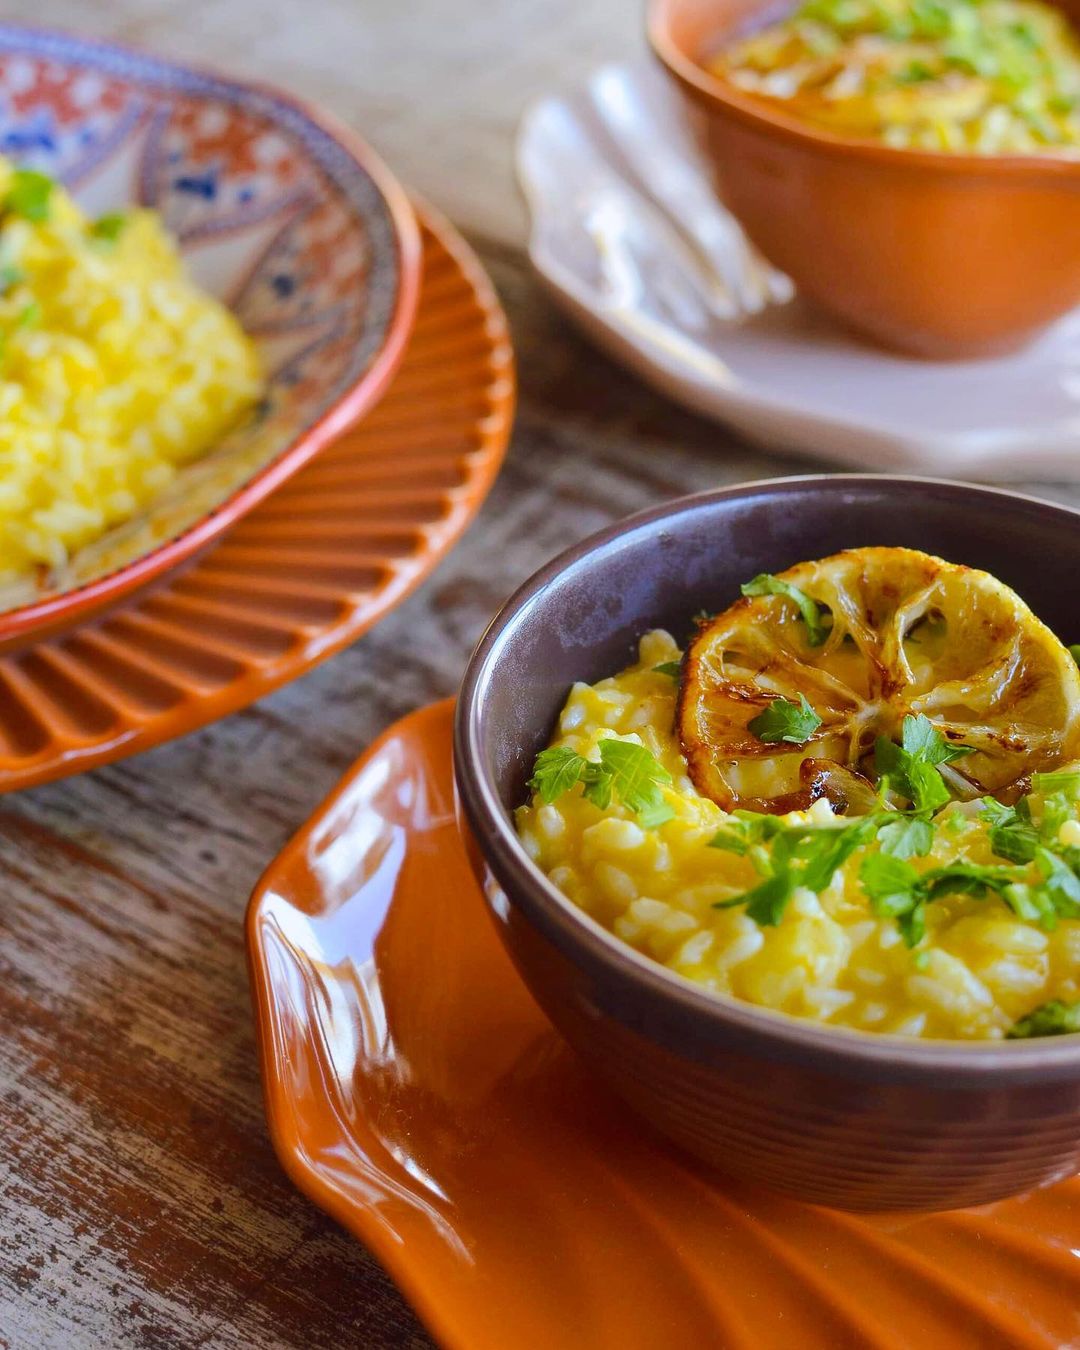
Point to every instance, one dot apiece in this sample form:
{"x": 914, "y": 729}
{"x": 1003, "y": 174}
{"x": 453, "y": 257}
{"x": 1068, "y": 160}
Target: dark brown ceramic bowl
{"x": 836, "y": 1117}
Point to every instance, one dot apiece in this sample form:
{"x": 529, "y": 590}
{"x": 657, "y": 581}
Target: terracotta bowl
{"x": 835, "y": 1117}
{"x": 936, "y": 254}
{"x": 280, "y": 212}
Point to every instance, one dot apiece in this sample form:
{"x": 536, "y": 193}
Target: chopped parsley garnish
{"x": 672, "y": 668}
{"x": 625, "y": 771}
{"x": 766, "y": 584}
{"x": 556, "y": 771}
{"x": 893, "y": 887}
{"x": 108, "y": 227}
{"x": 1012, "y": 834}
{"x": 906, "y": 837}
{"x": 801, "y": 855}
{"x": 29, "y": 315}
{"x": 910, "y": 769}
{"x": 1016, "y": 836}
{"x": 634, "y": 776}
{"x": 1067, "y": 782}
{"x": 783, "y": 720}
{"x": 9, "y": 276}
{"x": 787, "y": 856}
{"x": 746, "y": 830}
{"x": 1060, "y": 883}
{"x": 898, "y": 890}
{"x": 28, "y": 194}
{"x": 823, "y": 857}
{"x": 916, "y": 72}
{"x": 1051, "y": 1019}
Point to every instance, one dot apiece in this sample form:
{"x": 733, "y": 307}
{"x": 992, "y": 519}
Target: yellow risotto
{"x": 982, "y": 76}
{"x": 114, "y": 370}
{"x": 977, "y": 937}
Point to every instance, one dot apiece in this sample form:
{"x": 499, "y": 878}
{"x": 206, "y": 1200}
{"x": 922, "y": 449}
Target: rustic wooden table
{"x": 140, "y": 1201}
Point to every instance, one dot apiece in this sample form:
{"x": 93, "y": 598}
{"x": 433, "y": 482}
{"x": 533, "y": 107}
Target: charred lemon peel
{"x": 909, "y": 635}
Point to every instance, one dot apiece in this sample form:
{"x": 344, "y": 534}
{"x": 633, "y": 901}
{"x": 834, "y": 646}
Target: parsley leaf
{"x": 672, "y": 668}
{"x": 745, "y": 830}
{"x": 964, "y": 878}
{"x": 802, "y": 855}
{"x": 912, "y": 924}
{"x": 28, "y": 194}
{"x": 1074, "y": 651}
{"x": 1012, "y": 835}
{"x": 915, "y": 72}
{"x": 556, "y": 771}
{"x": 921, "y": 738}
{"x": 29, "y": 316}
{"x": 829, "y": 849}
{"x": 596, "y": 785}
{"x": 1032, "y": 903}
{"x": 766, "y": 584}
{"x": 1064, "y": 781}
{"x": 108, "y": 227}
{"x": 1060, "y": 881}
{"x": 624, "y": 770}
{"x": 766, "y": 903}
{"x": 906, "y": 837}
{"x": 9, "y": 276}
{"x": 896, "y": 891}
{"x": 911, "y": 768}
{"x": 884, "y": 877}
{"x": 635, "y": 777}
{"x": 928, "y": 791}
{"x": 1050, "y": 1019}
{"x": 1056, "y": 810}
{"x": 782, "y": 720}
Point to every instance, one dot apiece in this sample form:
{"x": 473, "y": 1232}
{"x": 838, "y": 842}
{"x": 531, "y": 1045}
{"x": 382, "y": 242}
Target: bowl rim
{"x": 761, "y": 116}
{"x": 580, "y": 937}
{"x": 353, "y": 402}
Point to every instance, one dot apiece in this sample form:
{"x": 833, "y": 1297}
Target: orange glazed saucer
{"x": 415, "y": 1091}
{"x": 306, "y": 572}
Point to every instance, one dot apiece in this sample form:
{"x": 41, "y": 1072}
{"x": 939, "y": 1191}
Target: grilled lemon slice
{"x": 868, "y": 637}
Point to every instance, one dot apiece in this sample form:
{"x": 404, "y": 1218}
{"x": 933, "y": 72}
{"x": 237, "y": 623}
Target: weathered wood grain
{"x": 140, "y": 1202}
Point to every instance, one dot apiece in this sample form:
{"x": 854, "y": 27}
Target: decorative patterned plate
{"x": 416, "y": 1092}
{"x": 284, "y": 215}
{"x": 304, "y": 574}
{"x": 629, "y": 235}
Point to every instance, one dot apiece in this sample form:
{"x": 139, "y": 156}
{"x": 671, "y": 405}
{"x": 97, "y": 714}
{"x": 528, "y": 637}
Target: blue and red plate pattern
{"x": 278, "y": 212}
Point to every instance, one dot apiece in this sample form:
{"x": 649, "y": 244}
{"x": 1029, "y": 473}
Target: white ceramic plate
{"x": 628, "y": 234}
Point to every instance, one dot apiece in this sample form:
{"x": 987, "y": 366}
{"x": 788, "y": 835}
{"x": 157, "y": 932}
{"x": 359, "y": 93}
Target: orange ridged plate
{"x": 416, "y": 1092}
{"x": 312, "y": 568}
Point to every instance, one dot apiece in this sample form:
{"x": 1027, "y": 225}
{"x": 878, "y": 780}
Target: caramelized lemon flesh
{"x": 902, "y": 633}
